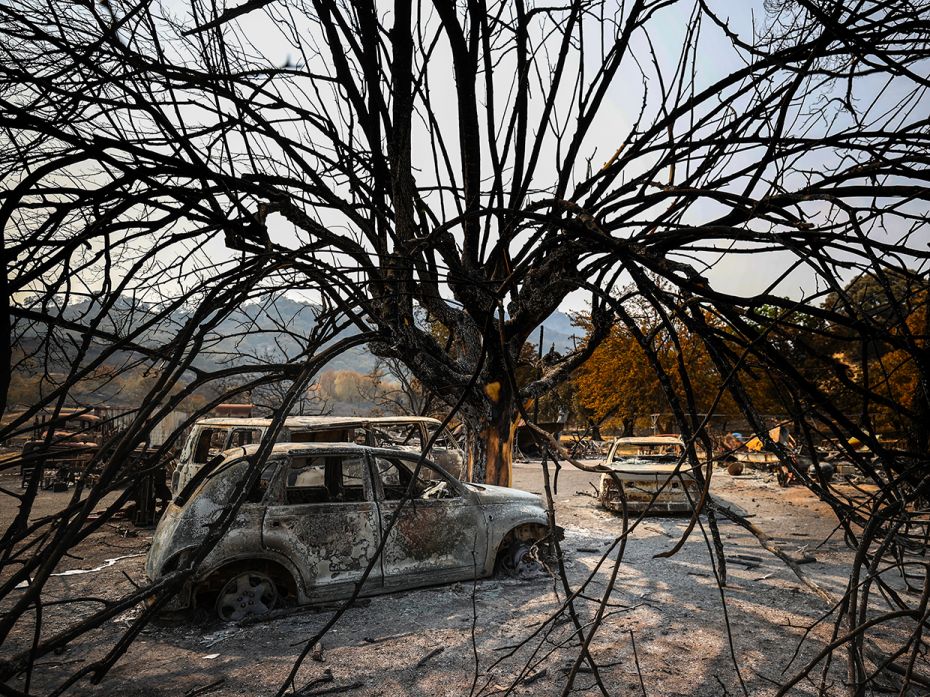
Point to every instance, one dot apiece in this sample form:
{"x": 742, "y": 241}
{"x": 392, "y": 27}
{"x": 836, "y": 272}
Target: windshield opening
{"x": 217, "y": 466}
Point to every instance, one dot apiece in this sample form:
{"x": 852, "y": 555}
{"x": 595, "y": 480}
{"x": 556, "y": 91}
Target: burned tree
{"x": 476, "y": 163}
{"x": 482, "y": 201}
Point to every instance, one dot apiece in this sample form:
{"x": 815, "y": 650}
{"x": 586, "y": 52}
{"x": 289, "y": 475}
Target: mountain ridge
{"x": 262, "y": 330}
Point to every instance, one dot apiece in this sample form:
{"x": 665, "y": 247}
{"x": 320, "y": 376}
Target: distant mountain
{"x": 268, "y": 331}
{"x": 559, "y": 331}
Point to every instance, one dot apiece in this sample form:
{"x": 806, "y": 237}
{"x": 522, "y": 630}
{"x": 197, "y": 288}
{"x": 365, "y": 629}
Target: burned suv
{"x": 316, "y": 517}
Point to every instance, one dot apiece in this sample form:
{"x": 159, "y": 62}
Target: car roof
{"x": 320, "y": 422}
{"x": 314, "y": 449}
{"x": 650, "y": 440}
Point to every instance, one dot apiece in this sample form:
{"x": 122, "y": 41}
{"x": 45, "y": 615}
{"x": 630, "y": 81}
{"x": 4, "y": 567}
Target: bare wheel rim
{"x": 517, "y": 559}
{"x": 247, "y": 594}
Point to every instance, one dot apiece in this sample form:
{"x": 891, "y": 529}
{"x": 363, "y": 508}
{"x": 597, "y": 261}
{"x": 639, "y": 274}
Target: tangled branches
{"x": 437, "y": 180}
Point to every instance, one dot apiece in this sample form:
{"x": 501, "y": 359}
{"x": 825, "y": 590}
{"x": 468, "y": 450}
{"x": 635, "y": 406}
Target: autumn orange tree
{"x": 879, "y": 381}
{"x": 898, "y": 374}
{"x": 618, "y": 385}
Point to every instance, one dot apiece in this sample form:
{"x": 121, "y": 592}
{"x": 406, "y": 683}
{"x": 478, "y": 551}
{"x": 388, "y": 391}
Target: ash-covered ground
{"x": 492, "y": 636}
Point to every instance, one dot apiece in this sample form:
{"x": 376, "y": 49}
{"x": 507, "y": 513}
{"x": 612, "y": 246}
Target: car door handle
{"x": 276, "y": 523}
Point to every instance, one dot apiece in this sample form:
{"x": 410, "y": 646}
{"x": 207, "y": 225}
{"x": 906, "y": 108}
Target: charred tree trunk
{"x": 628, "y": 422}
{"x": 489, "y": 439}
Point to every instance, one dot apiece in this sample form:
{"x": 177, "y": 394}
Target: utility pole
{"x": 538, "y": 372}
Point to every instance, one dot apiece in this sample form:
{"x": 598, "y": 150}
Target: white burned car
{"x": 648, "y": 472}
{"x": 315, "y": 519}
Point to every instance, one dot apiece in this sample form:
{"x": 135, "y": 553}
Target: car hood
{"x": 488, "y": 494}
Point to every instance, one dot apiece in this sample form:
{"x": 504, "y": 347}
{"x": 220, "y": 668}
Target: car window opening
{"x": 203, "y": 473}
{"x": 331, "y": 479}
{"x": 243, "y": 436}
{"x": 212, "y": 469}
{"x": 210, "y": 443}
{"x": 396, "y": 477}
{"x": 333, "y": 435}
{"x": 399, "y": 435}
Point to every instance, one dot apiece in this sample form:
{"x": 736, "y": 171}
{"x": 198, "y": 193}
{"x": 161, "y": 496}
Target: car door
{"x": 440, "y": 533}
{"x": 325, "y": 521}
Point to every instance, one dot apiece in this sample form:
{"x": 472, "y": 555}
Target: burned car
{"x": 211, "y": 436}
{"x": 647, "y": 469}
{"x": 316, "y": 517}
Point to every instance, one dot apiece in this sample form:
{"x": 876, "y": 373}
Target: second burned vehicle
{"x": 316, "y": 517}
{"x": 211, "y": 436}
{"x": 651, "y": 474}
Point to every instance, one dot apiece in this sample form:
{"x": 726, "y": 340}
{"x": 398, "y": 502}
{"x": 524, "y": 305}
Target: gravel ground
{"x": 430, "y": 642}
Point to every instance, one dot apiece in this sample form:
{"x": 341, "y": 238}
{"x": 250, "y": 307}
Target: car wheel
{"x": 521, "y": 559}
{"x": 246, "y": 594}
{"x": 512, "y": 557}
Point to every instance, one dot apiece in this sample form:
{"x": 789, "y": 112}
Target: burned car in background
{"x": 316, "y": 517}
{"x": 647, "y": 469}
{"x": 211, "y": 436}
